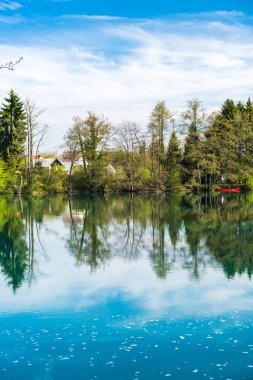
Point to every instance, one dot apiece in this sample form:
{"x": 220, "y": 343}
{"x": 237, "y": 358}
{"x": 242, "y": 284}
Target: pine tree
{"x": 174, "y": 163}
{"x": 193, "y": 119}
{"x": 12, "y": 128}
{"x": 229, "y": 141}
{"x": 249, "y": 110}
{"x": 228, "y": 109}
{"x": 220, "y": 143}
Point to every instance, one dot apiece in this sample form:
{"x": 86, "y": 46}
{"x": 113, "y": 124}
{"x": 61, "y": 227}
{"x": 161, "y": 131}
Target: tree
{"x": 71, "y": 143}
{"x": 12, "y": 128}
{"x": 174, "y": 163}
{"x": 229, "y": 143}
{"x": 4, "y": 177}
{"x": 159, "y": 120}
{"x": 35, "y": 132}
{"x": 228, "y": 109}
{"x": 129, "y": 140}
{"x": 249, "y": 110}
{"x": 193, "y": 118}
{"x": 92, "y": 136}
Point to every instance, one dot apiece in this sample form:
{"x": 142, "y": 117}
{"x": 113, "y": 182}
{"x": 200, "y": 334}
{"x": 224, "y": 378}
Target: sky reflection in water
{"x": 122, "y": 287}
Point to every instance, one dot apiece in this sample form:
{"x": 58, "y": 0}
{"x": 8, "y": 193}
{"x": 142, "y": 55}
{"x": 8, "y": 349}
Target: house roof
{"x": 49, "y": 162}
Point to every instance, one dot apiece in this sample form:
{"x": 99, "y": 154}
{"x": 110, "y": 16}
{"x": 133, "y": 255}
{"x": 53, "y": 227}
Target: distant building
{"x": 64, "y": 163}
{"x": 67, "y": 163}
{"x": 47, "y": 163}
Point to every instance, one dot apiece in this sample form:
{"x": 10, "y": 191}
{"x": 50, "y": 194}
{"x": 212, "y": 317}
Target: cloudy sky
{"x": 119, "y": 58}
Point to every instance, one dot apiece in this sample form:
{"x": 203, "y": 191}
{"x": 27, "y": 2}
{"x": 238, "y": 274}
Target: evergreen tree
{"x": 229, "y": 140}
{"x": 174, "y": 163}
{"x": 237, "y": 141}
{"x": 12, "y": 128}
{"x": 249, "y": 110}
{"x": 220, "y": 144}
{"x": 228, "y": 109}
{"x": 193, "y": 119}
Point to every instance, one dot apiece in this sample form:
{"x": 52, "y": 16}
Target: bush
{"x": 248, "y": 182}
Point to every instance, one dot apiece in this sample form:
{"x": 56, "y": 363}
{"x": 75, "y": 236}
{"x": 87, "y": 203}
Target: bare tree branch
{"x": 10, "y": 65}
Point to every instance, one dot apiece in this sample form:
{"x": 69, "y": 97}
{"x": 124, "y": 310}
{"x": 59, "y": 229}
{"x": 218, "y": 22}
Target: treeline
{"x": 192, "y": 150}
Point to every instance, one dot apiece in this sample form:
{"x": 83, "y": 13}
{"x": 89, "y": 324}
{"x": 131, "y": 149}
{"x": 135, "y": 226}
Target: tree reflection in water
{"x": 192, "y": 231}
{"x": 174, "y": 230}
{"x": 20, "y": 242}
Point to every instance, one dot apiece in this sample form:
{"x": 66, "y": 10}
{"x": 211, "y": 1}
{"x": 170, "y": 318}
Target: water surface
{"x": 126, "y": 287}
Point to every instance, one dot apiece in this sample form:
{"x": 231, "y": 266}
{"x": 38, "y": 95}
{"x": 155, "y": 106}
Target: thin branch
{"x": 10, "y": 65}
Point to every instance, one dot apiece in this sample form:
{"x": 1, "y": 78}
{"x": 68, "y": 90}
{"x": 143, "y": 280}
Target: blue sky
{"x": 130, "y": 8}
{"x": 119, "y": 58}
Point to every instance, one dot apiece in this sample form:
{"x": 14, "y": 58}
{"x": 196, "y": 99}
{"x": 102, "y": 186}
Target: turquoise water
{"x": 126, "y": 287}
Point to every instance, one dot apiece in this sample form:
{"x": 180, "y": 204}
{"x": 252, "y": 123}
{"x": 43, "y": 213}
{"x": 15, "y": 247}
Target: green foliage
{"x": 248, "y": 182}
{"x": 90, "y": 137}
{"x": 4, "y": 177}
{"x": 174, "y": 164}
{"x": 228, "y": 109}
{"x": 229, "y": 143}
{"x": 211, "y": 151}
{"x": 194, "y": 119}
{"x": 12, "y": 128}
{"x": 159, "y": 122}
{"x": 54, "y": 180}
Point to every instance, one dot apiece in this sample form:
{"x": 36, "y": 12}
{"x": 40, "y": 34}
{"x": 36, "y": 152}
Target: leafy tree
{"x": 159, "y": 121}
{"x": 128, "y": 139}
{"x": 92, "y": 135}
{"x": 4, "y": 177}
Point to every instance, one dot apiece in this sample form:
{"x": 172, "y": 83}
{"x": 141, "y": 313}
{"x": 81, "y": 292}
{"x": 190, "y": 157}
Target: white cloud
{"x": 63, "y": 285}
{"x": 233, "y": 13}
{"x": 93, "y": 17}
{"x": 11, "y": 20}
{"x": 126, "y": 69}
{"x": 9, "y": 5}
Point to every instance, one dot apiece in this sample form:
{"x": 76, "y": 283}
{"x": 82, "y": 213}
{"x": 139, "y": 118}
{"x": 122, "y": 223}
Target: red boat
{"x": 229, "y": 190}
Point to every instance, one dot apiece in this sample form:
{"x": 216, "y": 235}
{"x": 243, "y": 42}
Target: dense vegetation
{"x": 191, "y": 151}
